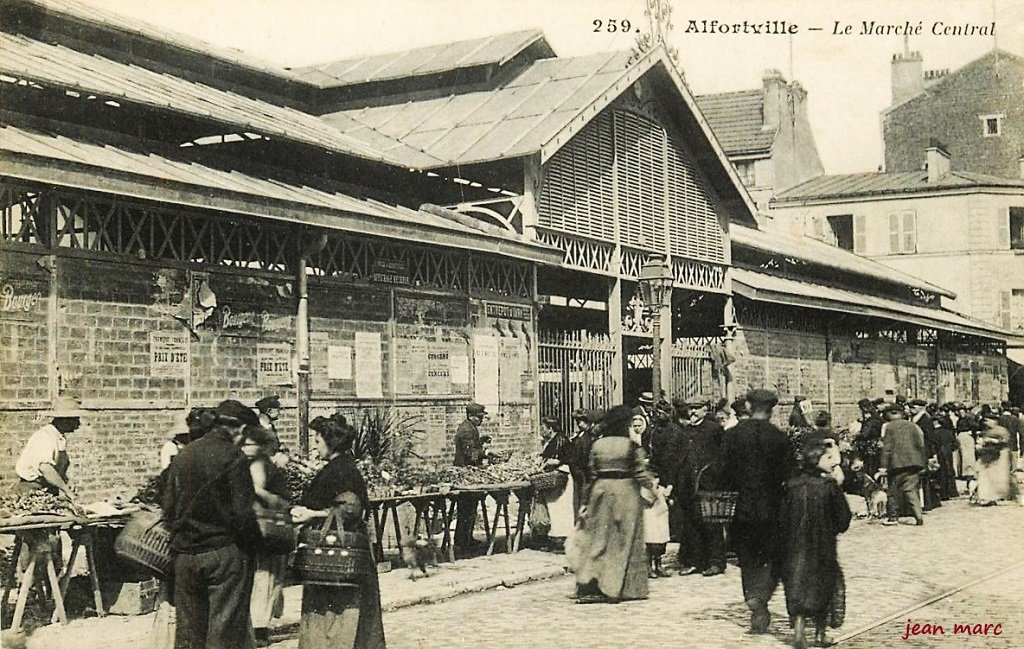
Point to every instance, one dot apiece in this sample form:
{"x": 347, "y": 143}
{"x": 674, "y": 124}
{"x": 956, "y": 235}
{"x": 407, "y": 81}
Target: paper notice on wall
{"x": 168, "y": 355}
{"x": 511, "y": 370}
{"x": 438, "y": 370}
{"x": 369, "y": 381}
{"x": 273, "y": 364}
{"x": 339, "y": 362}
{"x": 485, "y": 369}
{"x": 460, "y": 369}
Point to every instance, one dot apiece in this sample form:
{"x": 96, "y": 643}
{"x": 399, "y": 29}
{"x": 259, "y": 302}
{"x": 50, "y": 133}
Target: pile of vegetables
{"x": 37, "y": 501}
{"x": 151, "y": 493}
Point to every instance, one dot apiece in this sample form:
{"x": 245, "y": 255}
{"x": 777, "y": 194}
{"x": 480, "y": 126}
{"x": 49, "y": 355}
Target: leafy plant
{"x": 386, "y": 436}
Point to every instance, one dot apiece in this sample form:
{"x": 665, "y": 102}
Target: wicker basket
{"x": 715, "y": 506}
{"x": 549, "y": 481}
{"x": 277, "y": 532}
{"x": 330, "y": 556}
{"x": 146, "y": 541}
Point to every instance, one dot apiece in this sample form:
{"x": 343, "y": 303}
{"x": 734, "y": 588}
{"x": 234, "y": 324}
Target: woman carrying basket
{"x": 339, "y": 617}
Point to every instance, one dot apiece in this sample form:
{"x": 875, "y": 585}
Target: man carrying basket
{"x": 702, "y": 546}
{"x": 758, "y": 462}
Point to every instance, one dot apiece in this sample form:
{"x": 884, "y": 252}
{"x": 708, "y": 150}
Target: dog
{"x": 417, "y": 553}
{"x": 873, "y": 492}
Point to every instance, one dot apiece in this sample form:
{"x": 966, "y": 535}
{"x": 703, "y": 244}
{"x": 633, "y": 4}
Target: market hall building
{"x": 418, "y": 230}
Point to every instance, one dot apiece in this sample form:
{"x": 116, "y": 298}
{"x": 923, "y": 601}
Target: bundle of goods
{"x": 32, "y": 503}
{"x": 151, "y": 492}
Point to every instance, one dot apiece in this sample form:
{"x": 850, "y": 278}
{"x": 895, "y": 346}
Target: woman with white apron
{"x": 559, "y": 501}
{"x": 656, "y": 528}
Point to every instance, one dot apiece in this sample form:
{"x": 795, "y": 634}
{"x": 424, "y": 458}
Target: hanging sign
{"x": 273, "y": 364}
{"x": 168, "y": 355}
{"x": 508, "y": 311}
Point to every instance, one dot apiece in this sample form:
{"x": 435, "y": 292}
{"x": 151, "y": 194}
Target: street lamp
{"x": 656, "y": 287}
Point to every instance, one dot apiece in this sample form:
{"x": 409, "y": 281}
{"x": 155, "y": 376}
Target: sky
{"x": 846, "y": 76}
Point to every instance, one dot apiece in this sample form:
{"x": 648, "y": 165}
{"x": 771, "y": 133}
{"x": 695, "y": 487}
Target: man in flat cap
{"x": 758, "y": 461}
{"x": 903, "y": 459}
{"x": 469, "y": 451}
{"x": 208, "y": 503}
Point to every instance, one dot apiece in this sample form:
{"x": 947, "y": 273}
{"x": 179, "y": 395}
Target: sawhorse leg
{"x": 500, "y": 513}
{"x": 524, "y": 499}
{"x": 11, "y": 576}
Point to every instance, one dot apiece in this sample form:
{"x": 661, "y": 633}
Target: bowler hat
{"x": 266, "y": 403}
{"x": 476, "y": 410}
{"x": 595, "y": 416}
{"x": 699, "y": 401}
{"x": 231, "y": 411}
{"x": 66, "y": 407}
{"x": 646, "y": 397}
{"x": 918, "y": 403}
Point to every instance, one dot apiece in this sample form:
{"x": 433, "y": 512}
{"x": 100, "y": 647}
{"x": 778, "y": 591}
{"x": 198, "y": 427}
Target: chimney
{"x": 907, "y": 76}
{"x": 774, "y": 96}
{"x": 937, "y": 162}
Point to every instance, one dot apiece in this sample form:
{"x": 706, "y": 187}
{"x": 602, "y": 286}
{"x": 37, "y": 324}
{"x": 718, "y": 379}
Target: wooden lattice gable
{"x": 667, "y": 86}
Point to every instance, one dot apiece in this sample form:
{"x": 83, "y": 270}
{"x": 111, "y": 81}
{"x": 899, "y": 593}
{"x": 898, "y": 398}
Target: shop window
{"x": 903, "y": 233}
{"x": 992, "y": 125}
{"x": 1017, "y": 228}
{"x": 842, "y": 230}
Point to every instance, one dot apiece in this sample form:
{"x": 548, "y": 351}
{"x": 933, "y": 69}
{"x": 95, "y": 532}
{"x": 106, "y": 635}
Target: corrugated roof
{"x": 779, "y": 290}
{"x": 514, "y": 120}
{"x": 737, "y": 119}
{"x": 57, "y": 152}
{"x": 98, "y": 16}
{"x": 903, "y": 182}
{"x": 59, "y": 66}
{"x": 489, "y": 50}
{"x": 818, "y": 252}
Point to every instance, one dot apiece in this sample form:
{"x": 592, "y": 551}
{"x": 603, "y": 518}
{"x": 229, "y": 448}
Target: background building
{"x": 975, "y": 112}
{"x": 766, "y": 135}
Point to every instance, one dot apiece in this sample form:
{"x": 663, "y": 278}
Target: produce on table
{"x": 37, "y": 501}
{"x": 151, "y": 492}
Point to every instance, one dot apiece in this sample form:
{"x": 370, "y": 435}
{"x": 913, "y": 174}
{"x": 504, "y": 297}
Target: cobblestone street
{"x": 888, "y": 569}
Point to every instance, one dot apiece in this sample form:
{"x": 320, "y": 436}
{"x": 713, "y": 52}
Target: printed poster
{"x": 439, "y": 380}
{"x": 369, "y": 379}
{"x": 485, "y": 369}
{"x": 511, "y": 370}
{"x": 339, "y": 362}
{"x": 273, "y": 364}
{"x": 460, "y": 368}
{"x": 168, "y": 355}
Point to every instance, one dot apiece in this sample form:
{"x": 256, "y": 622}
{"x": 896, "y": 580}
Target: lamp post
{"x": 656, "y": 287}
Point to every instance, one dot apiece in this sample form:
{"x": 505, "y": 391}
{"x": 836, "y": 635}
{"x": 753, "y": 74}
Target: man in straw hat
{"x": 43, "y": 463}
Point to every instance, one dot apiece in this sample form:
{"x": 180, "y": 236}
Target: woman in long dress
{"x": 271, "y": 486}
{"x": 339, "y": 618}
{"x": 611, "y": 565}
{"x": 995, "y": 477}
{"x": 814, "y": 512}
{"x": 556, "y": 455}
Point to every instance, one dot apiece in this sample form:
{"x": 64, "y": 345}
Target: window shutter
{"x": 909, "y": 232}
{"x": 819, "y": 228}
{"x": 1004, "y": 309}
{"x": 1003, "y": 231}
{"x": 894, "y": 234}
{"x": 859, "y": 234}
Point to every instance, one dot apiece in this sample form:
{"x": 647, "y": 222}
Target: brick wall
{"x": 113, "y": 316}
{"x": 794, "y": 363}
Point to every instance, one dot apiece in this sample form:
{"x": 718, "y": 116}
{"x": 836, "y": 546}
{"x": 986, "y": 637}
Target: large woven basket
{"x": 146, "y": 541}
{"x": 715, "y": 506}
{"x": 330, "y": 556}
{"x": 549, "y": 481}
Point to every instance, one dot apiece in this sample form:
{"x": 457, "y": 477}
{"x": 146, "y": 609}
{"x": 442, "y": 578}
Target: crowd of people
{"x": 637, "y": 478}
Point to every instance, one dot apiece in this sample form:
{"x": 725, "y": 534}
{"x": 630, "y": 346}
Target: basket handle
{"x": 700, "y": 474}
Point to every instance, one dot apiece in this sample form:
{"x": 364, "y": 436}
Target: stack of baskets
{"x": 330, "y": 556}
{"x": 146, "y": 541}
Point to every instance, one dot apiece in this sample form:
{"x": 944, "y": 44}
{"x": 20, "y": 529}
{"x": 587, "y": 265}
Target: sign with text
{"x": 508, "y": 311}
{"x": 273, "y": 364}
{"x": 368, "y": 374}
{"x": 485, "y": 369}
{"x": 339, "y": 362}
{"x": 168, "y": 355}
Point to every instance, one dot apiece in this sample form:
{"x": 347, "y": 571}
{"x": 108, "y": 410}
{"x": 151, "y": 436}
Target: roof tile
{"x": 736, "y": 119}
